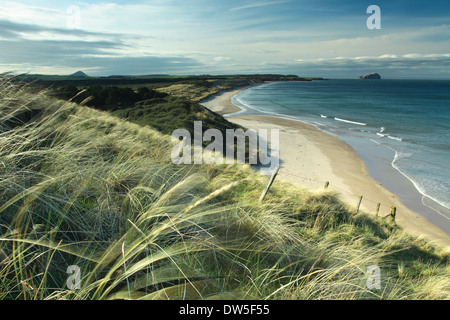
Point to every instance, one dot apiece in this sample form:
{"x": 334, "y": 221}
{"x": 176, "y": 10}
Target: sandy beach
{"x": 221, "y": 103}
{"x": 310, "y": 157}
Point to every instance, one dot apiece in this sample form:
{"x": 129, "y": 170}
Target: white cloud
{"x": 381, "y": 58}
{"x": 221, "y": 59}
{"x": 22, "y": 13}
{"x": 411, "y": 65}
{"x": 388, "y": 56}
{"x": 258, "y": 4}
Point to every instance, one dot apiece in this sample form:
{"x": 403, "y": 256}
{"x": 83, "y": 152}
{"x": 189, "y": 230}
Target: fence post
{"x": 327, "y": 183}
{"x": 359, "y": 204}
{"x": 393, "y": 212}
{"x": 272, "y": 178}
{"x": 378, "y": 208}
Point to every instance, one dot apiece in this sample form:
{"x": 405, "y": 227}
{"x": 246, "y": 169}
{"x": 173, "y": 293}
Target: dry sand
{"x": 310, "y": 157}
{"x": 221, "y": 103}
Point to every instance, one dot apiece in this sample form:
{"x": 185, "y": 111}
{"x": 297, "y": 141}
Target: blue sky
{"x": 325, "y": 38}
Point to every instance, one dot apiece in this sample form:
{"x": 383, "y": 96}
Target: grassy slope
{"x": 194, "y": 91}
{"x": 81, "y": 187}
{"x": 170, "y": 113}
{"x": 158, "y": 109}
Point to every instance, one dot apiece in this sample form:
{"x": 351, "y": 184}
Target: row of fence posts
{"x": 392, "y": 214}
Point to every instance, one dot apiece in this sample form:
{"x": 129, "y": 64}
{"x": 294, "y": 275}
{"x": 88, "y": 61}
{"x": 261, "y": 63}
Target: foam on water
{"x": 352, "y": 122}
{"x": 417, "y": 185}
{"x": 395, "y": 138}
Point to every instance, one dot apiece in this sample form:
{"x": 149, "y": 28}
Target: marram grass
{"x": 79, "y": 187}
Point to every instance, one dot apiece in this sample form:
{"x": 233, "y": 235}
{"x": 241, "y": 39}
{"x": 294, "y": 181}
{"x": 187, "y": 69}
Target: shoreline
{"x": 220, "y": 103}
{"x": 312, "y": 164}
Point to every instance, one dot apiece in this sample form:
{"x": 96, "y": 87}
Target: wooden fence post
{"x": 327, "y": 183}
{"x": 272, "y": 178}
{"x": 393, "y": 212}
{"x": 359, "y": 204}
{"x": 378, "y": 208}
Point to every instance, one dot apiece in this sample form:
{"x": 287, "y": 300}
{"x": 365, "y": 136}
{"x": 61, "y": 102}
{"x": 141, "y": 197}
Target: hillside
{"x": 81, "y": 187}
{"x": 79, "y": 74}
{"x": 147, "y": 107}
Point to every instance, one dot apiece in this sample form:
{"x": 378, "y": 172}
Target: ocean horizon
{"x": 400, "y": 128}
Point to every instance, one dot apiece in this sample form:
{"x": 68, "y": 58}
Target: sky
{"x": 320, "y": 38}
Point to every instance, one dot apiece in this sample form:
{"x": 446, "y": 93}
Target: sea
{"x": 400, "y": 128}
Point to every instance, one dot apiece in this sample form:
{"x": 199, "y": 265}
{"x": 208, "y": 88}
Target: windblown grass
{"x": 81, "y": 187}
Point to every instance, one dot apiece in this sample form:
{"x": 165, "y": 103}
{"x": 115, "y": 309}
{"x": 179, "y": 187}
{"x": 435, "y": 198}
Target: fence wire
{"x": 327, "y": 185}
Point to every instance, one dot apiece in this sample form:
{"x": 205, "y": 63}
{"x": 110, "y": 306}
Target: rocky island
{"x": 370, "y": 76}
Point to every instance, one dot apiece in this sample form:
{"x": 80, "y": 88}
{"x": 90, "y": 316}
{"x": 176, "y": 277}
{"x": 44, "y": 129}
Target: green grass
{"x": 81, "y": 187}
{"x": 170, "y": 113}
{"x": 147, "y": 107}
{"x": 197, "y": 90}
